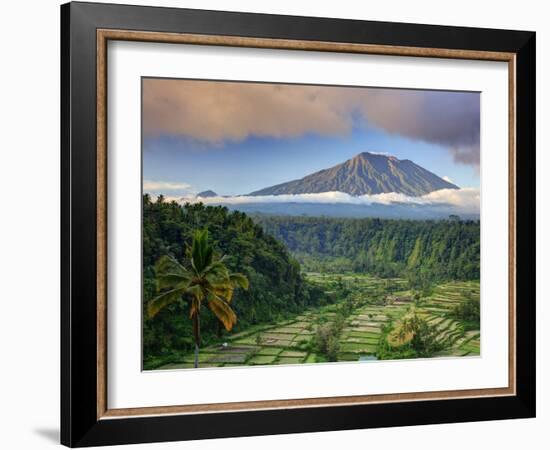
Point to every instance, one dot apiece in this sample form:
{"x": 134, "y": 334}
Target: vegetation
{"x": 423, "y": 336}
{"x": 423, "y": 251}
{"x": 277, "y": 288}
{"x": 319, "y": 289}
{"x": 359, "y": 326}
{"x": 205, "y": 278}
{"x": 468, "y": 312}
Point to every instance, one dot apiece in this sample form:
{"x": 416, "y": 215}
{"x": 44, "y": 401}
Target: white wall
{"x": 29, "y": 242}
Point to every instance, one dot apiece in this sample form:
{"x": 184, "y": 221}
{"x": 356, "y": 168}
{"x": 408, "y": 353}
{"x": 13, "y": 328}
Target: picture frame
{"x": 86, "y": 418}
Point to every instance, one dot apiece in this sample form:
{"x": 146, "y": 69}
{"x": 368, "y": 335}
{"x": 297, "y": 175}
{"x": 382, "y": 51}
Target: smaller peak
{"x": 206, "y": 194}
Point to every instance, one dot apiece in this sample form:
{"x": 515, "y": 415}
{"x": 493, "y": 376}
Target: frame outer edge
{"x": 526, "y": 224}
{"x": 79, "y": 251}
{"x": 79, "y": 428}
{"x": 65, "y": 334}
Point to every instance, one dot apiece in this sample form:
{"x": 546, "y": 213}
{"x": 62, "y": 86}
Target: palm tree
{"x": 402, "y": 334}
{"x": 205, "y": 277}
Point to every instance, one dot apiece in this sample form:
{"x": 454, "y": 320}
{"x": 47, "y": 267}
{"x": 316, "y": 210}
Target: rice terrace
{"x": 371, "y": 327}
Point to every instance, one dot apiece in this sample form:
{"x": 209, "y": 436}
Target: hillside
{"x": 444, "y": 249}
{"x": 277, "y": 287}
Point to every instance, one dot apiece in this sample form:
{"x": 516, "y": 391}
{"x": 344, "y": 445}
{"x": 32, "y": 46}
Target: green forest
{"x": 311, "y": 289}
{"x": 438, "y": 249}
{"x": 277, "y": 287}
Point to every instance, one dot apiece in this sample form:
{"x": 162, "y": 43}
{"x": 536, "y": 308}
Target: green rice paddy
{"x": 368, "y": 325}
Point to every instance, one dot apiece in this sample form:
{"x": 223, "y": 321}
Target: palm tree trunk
{"x": 196, "y": 356}
{"x": 197, "y": 334}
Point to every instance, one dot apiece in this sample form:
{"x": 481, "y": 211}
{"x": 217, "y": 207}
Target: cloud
{"x": 464, "y": 200}
{"x": 155, "y": 186}
{"x": 169, "y": 189}
{"x": 215, "y": 112}
{"x": 449, "y": 119}
{"x": 448, "y": 179}
{"x": 218, "y": 111}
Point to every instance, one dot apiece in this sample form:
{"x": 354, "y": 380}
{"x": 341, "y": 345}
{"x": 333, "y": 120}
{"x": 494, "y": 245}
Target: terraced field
{"x": 380, "y": 306}
{"x": 435, "y": 308}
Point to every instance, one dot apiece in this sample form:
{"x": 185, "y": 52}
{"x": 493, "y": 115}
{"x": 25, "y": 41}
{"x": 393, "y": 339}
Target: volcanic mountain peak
{"x": 365, "y": 173}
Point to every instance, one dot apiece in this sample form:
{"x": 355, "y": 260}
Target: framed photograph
{"x": 276, "y": 224}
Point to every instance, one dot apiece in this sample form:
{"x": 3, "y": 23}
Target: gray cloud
{"x": 450, "y": 119}
{"x": 219, "y": 111}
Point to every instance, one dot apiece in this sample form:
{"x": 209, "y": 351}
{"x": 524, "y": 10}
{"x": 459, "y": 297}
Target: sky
{"x": 236, "y": 137}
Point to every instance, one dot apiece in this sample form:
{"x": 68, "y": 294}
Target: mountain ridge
{"x": 365, "y": 174}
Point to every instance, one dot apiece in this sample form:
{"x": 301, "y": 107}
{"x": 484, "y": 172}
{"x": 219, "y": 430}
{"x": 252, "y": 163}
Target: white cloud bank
{"x": 155, "y": 186}
{"x": 464, "y": 200}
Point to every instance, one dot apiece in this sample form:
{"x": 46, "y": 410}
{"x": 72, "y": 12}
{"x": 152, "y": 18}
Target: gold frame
{"x": 103, "y": 36}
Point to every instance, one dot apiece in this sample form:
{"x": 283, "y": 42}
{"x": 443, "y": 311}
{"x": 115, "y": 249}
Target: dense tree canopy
{"x": 276, "y": 286}
{"x": 443, "y": 249}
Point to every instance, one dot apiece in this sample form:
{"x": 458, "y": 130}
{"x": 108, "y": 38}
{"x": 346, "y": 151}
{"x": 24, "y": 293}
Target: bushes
{"x": 424, "y": 336}
{"x": 327, "y": 340}
{"x": 468, "y": 312}
{"x": 423, "y": 341}
{"x": 421, "y": 282}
